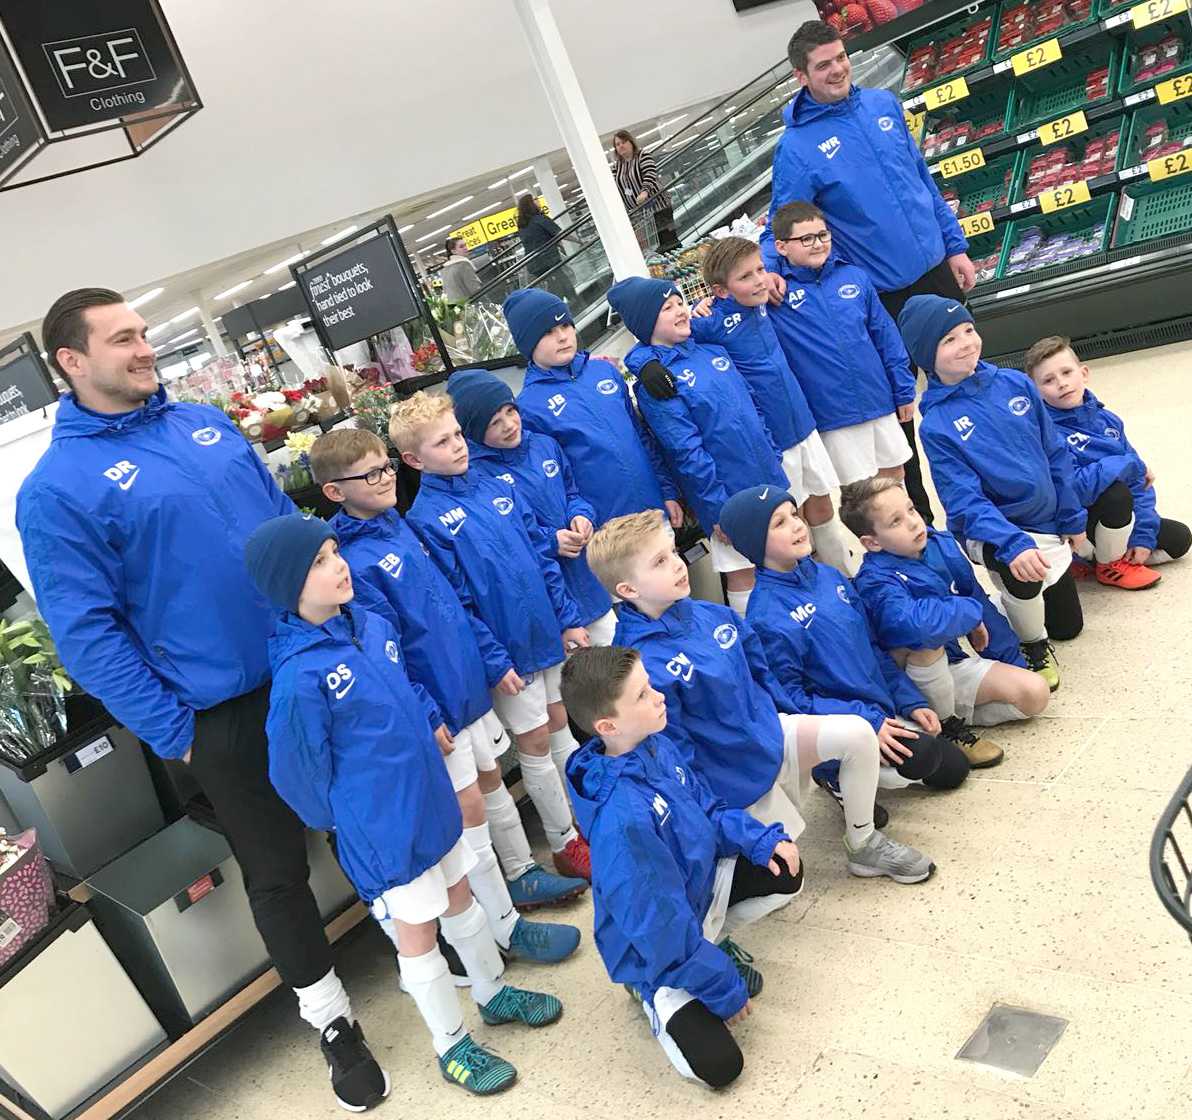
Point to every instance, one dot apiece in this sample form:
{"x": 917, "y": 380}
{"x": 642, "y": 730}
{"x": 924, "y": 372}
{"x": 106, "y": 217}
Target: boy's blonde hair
{"x": 618, "y": 543}
{"x": 723, "y": 256}
{"x": 410, "y": 416}
{"x": 856, "y": 503}
{"x": 333, "y": 453}
{"x": 1046, "y": 348}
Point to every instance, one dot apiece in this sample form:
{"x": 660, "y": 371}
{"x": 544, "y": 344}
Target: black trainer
{"x": 356, "y": 1079}
{"x": 831, "y": 787}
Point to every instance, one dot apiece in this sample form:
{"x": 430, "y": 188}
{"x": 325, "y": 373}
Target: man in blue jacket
{"x": 849, "y": 151}
{"x": 133, "y": 524}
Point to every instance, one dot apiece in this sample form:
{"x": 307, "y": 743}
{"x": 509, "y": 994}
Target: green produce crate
{"x": 1076, "y": 147}
{"x": 939, "y": 35}
{"x": 1063, "y": 29}
{"x": 1112, "y": 7}
{"x": 988, "y": 184}
{"x": 980, "y": 110}
{"x": 1059, "y": 89}
{"x": 1077, "y": 219}
{"x": 1178, "y": 116}
{"x": 989, "y": 245}
{"x": 1150, "y": 210}
{"x": 1128, "y": 83}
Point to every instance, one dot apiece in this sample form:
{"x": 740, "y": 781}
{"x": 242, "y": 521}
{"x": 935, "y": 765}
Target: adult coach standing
{"x": 849, "y": 151}
{"x": 133, "y": 525}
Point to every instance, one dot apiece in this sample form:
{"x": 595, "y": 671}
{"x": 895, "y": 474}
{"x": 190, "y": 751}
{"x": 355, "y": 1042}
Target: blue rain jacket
{"x": 656, "y": 832}
{"x": 540, "y": 473}
{"x": 498, "y": 560}
{"x": 722, "y": 700}
{"x": 844, "y": 348}
{"x": 712, "y": 432}
{"x": 351, "y": 748}
{"x": 820, "y": 645}
{"x": 747, "y": 335}
{"x": 999, "y": 465}
{"x": 1101, "y": 454}
{"x": 133, "y": 527}
{"x": 393, "y": 576}
{"x": 857, "y": 161}
{"x": 586, "y": 406}
{"x": 913, "y": 606}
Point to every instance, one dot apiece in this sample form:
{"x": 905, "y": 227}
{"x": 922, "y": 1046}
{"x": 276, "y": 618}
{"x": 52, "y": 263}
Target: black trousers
{"x": 230, "y": 760}
{"x": 939, "y": 281}
{"x": 1063, "y": 615}
{"x": 937, "y": 762}
{"x": 1115, "y": 506}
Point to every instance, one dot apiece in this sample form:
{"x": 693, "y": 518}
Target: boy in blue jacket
{"x": 536, "y": 466}
{"x": 1112, "y": 481}
{"x": 923, "y": 597}
{"x": 1004, "y": 476}
{"x": 844, "y": 349}
{"x": 396, "y": 579}
{"x": 727, "y": 711}
{"x": 675, "y": 871}
{"x": 584, "y": 404}
{"x": 498, "y": 559}
{"x": 711, "y": 429}
{"x": 351, "y": 750}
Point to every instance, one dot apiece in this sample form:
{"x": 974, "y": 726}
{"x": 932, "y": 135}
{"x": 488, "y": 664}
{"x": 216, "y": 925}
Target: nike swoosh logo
{"x": 867, "y": 824}
{"x": 832, "y": 153}
{"x": 762, "y": 496}
{"x": 954, "y": 307}
{"x": 130, "y": 479}
{"x": 967, "y": 434}
{"x": 497, "y": 740}
{"x": 560, "y": 318}
{"x": 807, "y": 624}
{"x": 456, "y": 527}
{"x": 346, "y": 689}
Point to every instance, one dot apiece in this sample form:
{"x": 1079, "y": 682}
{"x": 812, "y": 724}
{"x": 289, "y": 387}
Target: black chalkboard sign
{"x": 25, "y": 382}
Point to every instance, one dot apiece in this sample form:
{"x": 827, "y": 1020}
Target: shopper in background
{"x": 538, "y": 234}
{"x": 849, "y": 151}
{"x": 133, "y": 525}
{"x": 637, "y": 177}
{"x": 460, "y": 281}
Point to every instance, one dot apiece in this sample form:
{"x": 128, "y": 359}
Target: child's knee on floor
{"x": 707, "y": 1045}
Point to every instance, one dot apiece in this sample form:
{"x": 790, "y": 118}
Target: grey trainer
{"x": 883, "y": 856}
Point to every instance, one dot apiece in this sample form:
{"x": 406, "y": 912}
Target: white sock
{"x": 995, "y": 712}
{"x": 545, "y": 788}
{"x": 323, "y": 1002}
{"x": 889, "y": 778}
{"x": 468, "y": 934}
{"x": 1110, "y": 544}
{"x": 750, "y": 910}
{"x": 936, "y": 683}
{"x": 851, "y": 740}
{"x": 428, "y": 981}
{"x": 1159, "y": 556}
{"x": 488, "y": 885}
{"x": 1026, "y": 617}
{"x": 508, "y": 833}
{"x": 562, "y": 747}
{"x": 828, "y": 542}
{"x": 739, "y": 600}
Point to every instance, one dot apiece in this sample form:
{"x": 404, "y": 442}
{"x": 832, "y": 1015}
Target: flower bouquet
{"x": 32, "y": 691}
{"x": 372, "y": 407}
{"x": 296, "y": 474}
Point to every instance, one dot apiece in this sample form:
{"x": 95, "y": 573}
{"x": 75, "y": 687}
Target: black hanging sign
{"x": 25, "y": 383}
{"x": 20, "y": 132}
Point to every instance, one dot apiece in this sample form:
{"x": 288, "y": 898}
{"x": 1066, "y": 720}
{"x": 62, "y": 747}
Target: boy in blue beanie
{"x": 676, "y": 870}
{"x": 1003, "y": 473}
{"x": 711, "y": 429}
{"x": 538, "y": 469}
{"x": 499, "y": 561}
{"x": 584, "y": 404}
{"x": 395, "y": 578}
{"x": 1112, "y": 482}
{"x": 351, "y": 750}
{"x": 923, "y": 597}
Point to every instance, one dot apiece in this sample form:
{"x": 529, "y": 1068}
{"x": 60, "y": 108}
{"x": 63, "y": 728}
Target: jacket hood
{"x": 803, "y": 574}
{"x": 803, "y": 107}
{"x": 1089, "y": 406}
{"x": 592, "y": 775}
{"x": 511, "y": 456}
{"x": 293, "y": 635}
{"x": 635, "y": 626}
{"x": 645, "y": 352}
{"x": 349, "y": 528}
{"x": 569, "y": 372}
{"x": 72, "y": 419}
{"x": 937, "y": 392}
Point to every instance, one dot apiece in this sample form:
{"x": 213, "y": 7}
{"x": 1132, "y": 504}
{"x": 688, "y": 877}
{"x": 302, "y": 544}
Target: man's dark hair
{"x": 65, "y": 323}
{"x": 592, "y": 681}
{"x": 794, "y": 213}
{"x": 814, "y": 33}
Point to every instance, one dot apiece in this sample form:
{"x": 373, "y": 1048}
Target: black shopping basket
{"x": 1171, "y": 853}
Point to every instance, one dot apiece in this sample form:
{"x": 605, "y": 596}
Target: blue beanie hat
{"x": 476, "y": 395}
{"x": 530, "y": 313}
{"x": 279, "y": 552}
{"x": 745, "y": 519}
{"x": 924, "y": 320}
{"x": 638, "y": 300}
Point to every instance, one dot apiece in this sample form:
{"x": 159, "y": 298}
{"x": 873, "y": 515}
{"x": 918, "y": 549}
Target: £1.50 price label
{"x": 946, "y": 93}
{"x": 1072, "y": 125}
{"x": 951, "y": 166}
{"x": 976, "y": 224}
{"x": 1174, "y": 89}
{"x": 1060, "y": 198}
{"x": 1178, "y": 163}
{"x": 1153, "y": 11}
{"x": 1036, "y": 57}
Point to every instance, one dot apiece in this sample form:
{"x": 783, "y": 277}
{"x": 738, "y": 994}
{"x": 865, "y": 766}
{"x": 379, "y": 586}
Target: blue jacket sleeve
{"x": 954, "y": 239}
{"x": 545, "y": 543}
{"x": 676, "y": 431}
{"x": 1146, "y": 515}
{"x": 577, "y": 505}
{"x": 761, "y": 670}
{"x": 902, "y": 621}
{"x": 789, "y": 180}
{"x": 299, "y": 732}
{"x": 1091, "y": 480}
{"x": 738, "y": 833}
{"x": 666, "y": 481}
{"x": 1070, "y": 513}
{"x": 895, "y": 360}
{"x": 86, "y": 619}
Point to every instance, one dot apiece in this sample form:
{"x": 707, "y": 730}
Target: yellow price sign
{"x": 1153, "y": 11}
{"x": 976, "y": 224}
{"x": 1060, "y": 198}
{"x": 1036, "y": 57}
{"x": 951, "y": 166}
{"x": 946, "y": 93}
{"x": 1174, "y": 89}
{"x": 1071, "y": 125}
{"x": 1178, "y": 163}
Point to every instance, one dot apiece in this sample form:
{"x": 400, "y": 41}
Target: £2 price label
{"x": 946, "y": 93}
{"x": 1036, "y": 57}
{"x": 951, "y": 166}
{"x": 1072, "y": 125}
{"x": 1060, "y": 198}
{"x": 1153, "y": 11}
{"x": 1178, "y": 163}
{"x": 1174, "y": 89}
{"x": 976, "y": 224}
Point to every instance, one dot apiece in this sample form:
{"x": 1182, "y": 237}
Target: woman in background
{"x": 637, "y": 178}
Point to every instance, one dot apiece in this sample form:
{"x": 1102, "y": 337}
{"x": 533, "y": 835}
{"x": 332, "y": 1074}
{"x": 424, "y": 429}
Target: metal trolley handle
{"x": 1171, "y": 870}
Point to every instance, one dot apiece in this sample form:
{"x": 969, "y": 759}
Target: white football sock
{"x": 468, "y": 934}
{"x": 508, "y": 833}
{"x": 995, "y": 712}
{"x": 936, "y": 683}
{"x": 562, "y": 747}
{"x": 488, "y": 885}
{"x": 1159, "y": 556}
{"x": 428, "y": 981}
{"x": 851, "y": 740}
{"x": 828, "y": 542}
{"x": 1110, "y": 544}
{"x": 750, "y": 910}
{"x": 323, "y": 1002}
{"x": 545, "y": 788}
{"x": 1026, "y": 616}
{"x": 738, "y": 600}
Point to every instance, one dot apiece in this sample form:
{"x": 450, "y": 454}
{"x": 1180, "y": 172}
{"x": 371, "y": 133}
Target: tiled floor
{"x": 1042, "y": 900}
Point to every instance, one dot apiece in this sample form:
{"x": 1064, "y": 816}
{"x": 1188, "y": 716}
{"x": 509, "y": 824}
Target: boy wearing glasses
{"x": 394, "y": 577}
{"x": 844, "y": 349}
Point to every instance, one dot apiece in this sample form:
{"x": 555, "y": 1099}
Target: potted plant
{"x": 33, "y": 687}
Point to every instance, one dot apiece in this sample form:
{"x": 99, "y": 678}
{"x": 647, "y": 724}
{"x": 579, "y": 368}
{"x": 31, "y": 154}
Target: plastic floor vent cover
{"x": 1013, "y": 1040}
